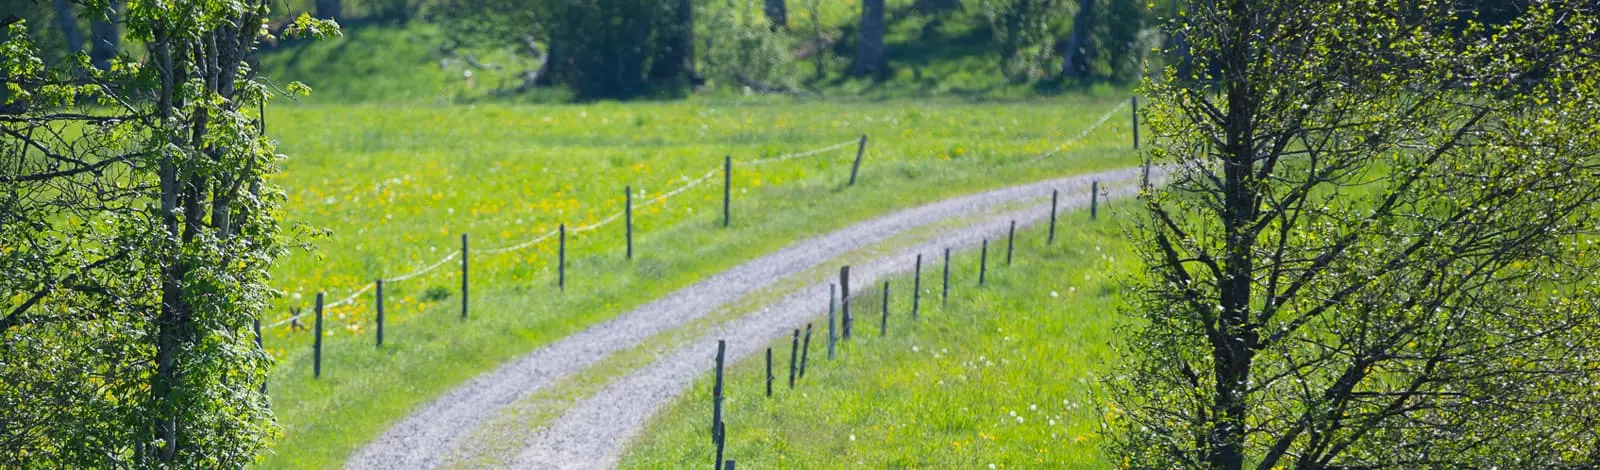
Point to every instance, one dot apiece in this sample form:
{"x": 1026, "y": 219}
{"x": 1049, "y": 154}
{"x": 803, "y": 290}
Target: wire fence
{"x": 1081, "y": 135}
{"x": 547, "y": 235}
{"x": 691, "y": 184}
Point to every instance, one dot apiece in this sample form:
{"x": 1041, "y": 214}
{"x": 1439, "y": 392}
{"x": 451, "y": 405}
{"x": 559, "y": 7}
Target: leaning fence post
{"x": 916, "y": 288}
{"x": 1055, "y": 197}
{"x": 627, "y": 216}
{"x": 1011, "y": 241}
{"x": 561, "y": 259}
{"x": 316, "y": 343}
{"x": 805, "y": 351}
{"x": 727, "y": 190}
{"x": 463, "y": 276}
{"x": 983, "y": 262}
{"x": 883, "y": 324}
{"x": 716, "y": 396}
{"x": 794, "y": 357}
{"x": 379, "y": 288}
{"x": 1094, "y": 199}
{"x": 832, "y": 290}
{"x": 769, "y": 371}
{"x": 844, "y": 303}
{"x": 256, "y": 325}
{"x": 855, "y": 168}
{"x": 945, "y": 294}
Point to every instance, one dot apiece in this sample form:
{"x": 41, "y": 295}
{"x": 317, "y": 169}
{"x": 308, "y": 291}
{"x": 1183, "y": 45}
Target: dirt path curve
{"x": 596, "y": 429}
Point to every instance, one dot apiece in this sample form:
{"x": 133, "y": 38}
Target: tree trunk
{"x": 675, "y": 62}
{"x": 107, "y": 35}
{"x": 870, "y": 56}
{"x": 821, "y": 52}
{"x": 69, "y": 26}
{"x": 6, "y": 106}
{"x": 778, "y": 14}
{"x": 1075, "y": 56}
{"x": 936, "y": 6}
{"x": 330, "y": 9}
{"x": 1234, "y": 344}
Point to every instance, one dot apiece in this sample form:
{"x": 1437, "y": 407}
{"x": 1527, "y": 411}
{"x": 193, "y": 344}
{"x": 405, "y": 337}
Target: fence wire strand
{"x": 1081, "y": 135}
{"x": 546, "y": 236}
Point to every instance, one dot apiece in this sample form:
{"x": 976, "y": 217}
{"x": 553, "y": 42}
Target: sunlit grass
{"x": 1003, "y": 375}
{"x": 397, "y": 186}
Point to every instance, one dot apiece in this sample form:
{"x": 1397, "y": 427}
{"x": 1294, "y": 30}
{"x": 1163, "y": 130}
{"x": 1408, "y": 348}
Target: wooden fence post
{"x": 983, "y": 262}
{"x": 721, "y": 441}
{"x": 561, "y": 259}
{"x": 856, "y": 167}
{"x": 316, "y": 343}
{"x": 1011, "y": 241}
{"x": 379, "y": 288}
{"x": 805, "y": 351}
{"x": 463, "y": 276}
{"x": 727, "y": 190}
{"x": 1055, "y": 198}
{"x": 832, "y": 336}
{"x": 916, "y": 288}
{"x": 1094, "y": 200}
{"x": 627, "y": 216}
{"x": 769, "y": 371}
{"x": 883, "y": 324}
{"x": 716, "y": 396}
{"x": 844, "y": 303}
{"x": 794, "y": 357}
{"x": 945, "y": 294}
{"x": 1135, "y": 101}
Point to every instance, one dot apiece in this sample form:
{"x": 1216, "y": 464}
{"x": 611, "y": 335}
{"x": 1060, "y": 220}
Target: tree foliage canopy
{"x": 1378, "y": 246}
{"x": 136, "y": 228}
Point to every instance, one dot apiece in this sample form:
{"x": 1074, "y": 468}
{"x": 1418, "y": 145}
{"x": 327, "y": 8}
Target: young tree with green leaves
{"x": 137, "y": 224}
{"x": 1377, "y": 249}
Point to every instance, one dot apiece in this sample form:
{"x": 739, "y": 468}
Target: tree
{"x": 1377, "y": 247}
{"x": 106, "y": 35}
{"x": 1024, "y": 30}
{"x": 674, "y": 61}
{"x": 330, "y": 9}
{"x": 933, "y": 7}
{"x": 871, "y": 58}
{"x": 1104, "y": 43}
{"x": 778, "y": 13}
{"x": 601, "y": 49}
{"x": 68, "y": 23}
{"x": 138, "y": 223}
{"x": 1075, "y": 55}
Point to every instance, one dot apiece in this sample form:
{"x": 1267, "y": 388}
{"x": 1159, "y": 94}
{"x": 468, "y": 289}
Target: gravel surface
{"x": 593, "y": 433}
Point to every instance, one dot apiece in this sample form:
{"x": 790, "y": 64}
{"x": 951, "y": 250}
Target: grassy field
{"x": 397, "y": 185}
{"x": 1003, "y": 376}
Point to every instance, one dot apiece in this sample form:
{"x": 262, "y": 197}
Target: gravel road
{"x": 593, "y": 433}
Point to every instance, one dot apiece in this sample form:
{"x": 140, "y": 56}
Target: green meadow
{"x": 1004, "y": 375}
{"x": 395, "y": 186}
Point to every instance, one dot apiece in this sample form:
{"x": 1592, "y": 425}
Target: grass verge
{"x": 1004, "y": 375}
